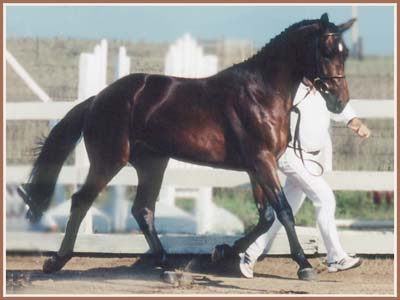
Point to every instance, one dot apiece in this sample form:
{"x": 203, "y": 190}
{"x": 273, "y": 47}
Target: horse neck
{"x": 279, "y": 71}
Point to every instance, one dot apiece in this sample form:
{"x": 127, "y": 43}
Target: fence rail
{"x": 204, "y": 176}
{"x": 195, "y": 176}
{"x": 367, "y": 242}
{"x": 57, "y": 110}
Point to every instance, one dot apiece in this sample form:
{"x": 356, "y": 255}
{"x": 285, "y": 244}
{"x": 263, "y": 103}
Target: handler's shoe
{"x": 246, "y": 265}
{"x": 344, "y": 264}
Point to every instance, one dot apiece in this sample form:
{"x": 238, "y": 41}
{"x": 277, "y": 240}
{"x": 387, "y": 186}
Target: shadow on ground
{"x": 199, "y": 268}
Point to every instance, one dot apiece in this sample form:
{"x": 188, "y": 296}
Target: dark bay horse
{"x": 237, "y": 119}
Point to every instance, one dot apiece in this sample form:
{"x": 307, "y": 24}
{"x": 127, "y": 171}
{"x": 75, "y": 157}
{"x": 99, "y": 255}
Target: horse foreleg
{"x": 265, "y": 172}
{"x": 265, "y": 221}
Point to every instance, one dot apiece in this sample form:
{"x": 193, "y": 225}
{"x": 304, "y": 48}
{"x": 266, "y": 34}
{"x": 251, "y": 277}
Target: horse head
{"x": 323, "y": 57}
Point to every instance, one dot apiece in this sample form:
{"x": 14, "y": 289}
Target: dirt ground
{"x": 130, "y": 275}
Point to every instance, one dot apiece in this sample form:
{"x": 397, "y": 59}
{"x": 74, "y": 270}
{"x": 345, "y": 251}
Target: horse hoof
{"x": 307, "y": 274}
{"x": 55, "y": 263}
{"x": 163, "y": 262}
{"x": 220, "y": 253}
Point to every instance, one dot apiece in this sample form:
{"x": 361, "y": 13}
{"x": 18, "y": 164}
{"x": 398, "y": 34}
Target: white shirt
{"x": 315, "y": 119}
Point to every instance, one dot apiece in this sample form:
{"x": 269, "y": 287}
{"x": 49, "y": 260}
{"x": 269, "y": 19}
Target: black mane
{"x": 269, "y": 48}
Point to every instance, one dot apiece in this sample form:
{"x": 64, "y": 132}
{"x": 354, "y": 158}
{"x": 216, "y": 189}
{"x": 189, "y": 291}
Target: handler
{"x": 301, "y": 179}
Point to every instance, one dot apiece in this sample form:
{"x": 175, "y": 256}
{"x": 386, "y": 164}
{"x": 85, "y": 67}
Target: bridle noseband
{"x": 319, "y": 79}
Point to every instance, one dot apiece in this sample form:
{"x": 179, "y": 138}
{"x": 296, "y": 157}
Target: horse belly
{"x": 197, "y": 143}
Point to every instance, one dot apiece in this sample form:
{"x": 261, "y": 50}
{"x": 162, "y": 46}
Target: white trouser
{"x": 300, "y": 183}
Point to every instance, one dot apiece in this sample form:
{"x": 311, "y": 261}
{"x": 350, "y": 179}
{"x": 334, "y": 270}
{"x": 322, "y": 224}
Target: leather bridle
{"x": 319, "y": 79}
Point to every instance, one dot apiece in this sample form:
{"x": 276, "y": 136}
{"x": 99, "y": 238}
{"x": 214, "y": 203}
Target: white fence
{"x": 198, "y": 176}
{"x": 177, "y": 174}
{"x": 355, "y": 242}
{"x": 185, "y": 58}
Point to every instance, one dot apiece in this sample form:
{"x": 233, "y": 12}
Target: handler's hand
{"x": 359, "y": 128}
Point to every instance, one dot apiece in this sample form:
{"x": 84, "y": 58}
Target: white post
{"x": 204, "y": 210}
{"x": 92, "y": 79}
{"x": 103, "y": 64}
{"x": 167, "y": 195}
{"x": 123, "y": 63}
{"x": 118, "y": 193}
{"x": 185, "y": 58}
{"x": 210, "y": 65}
{"x": 35, "y": 88}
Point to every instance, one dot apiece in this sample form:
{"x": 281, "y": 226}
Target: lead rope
{"x": 298, "y": 151}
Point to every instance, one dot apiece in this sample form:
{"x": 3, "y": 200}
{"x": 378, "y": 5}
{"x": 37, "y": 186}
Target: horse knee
{"x": 285, "y": 216}
{"x": 268, "y": 216}
{"x": 283, "y": 210}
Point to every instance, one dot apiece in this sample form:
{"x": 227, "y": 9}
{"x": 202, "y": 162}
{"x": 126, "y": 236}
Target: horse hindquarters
{"x": 150, "y": 169}
{"x": 106, "y": 133}
{"x": 57, "y": 146}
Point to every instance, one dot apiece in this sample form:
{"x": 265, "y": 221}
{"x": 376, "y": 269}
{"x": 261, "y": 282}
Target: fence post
{"x": 92, "y": 79}
{"x": 24, "y": 75}
{"x": 123, "y": 63}
{"x": 118, "y": 192}
{"x": 204, "y": 210}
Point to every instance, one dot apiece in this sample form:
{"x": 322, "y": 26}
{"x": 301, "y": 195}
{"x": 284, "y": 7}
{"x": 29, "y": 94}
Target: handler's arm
{"x": 348, "y": 116}
{"x": 359, "y": 128}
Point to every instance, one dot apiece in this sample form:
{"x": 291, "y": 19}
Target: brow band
{"x": 331, "y": 34}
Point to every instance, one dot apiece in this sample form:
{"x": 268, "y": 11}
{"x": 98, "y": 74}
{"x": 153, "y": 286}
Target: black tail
{"x": 54, "y": 151}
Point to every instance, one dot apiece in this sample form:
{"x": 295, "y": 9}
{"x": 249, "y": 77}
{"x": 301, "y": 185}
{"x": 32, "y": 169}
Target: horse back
{"x": 185, "y": 119}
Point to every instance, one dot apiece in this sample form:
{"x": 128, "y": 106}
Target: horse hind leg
{"x": 80, "y": 203}
{"x": 150, "y": 168}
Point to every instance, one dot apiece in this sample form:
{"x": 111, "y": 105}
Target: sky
{"x": 167, "y": 23}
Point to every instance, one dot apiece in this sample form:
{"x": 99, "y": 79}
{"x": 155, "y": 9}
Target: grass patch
{"x": 238, "y": 201}
{"x": 186, "y": 204}
{"x": 349, "y": 205}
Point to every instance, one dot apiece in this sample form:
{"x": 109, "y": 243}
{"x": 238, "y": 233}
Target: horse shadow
{"x": 141, "y": 267}
{"x": 202, "y": 270}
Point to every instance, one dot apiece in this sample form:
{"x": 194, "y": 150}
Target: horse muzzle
{"x": 334, "y": 105}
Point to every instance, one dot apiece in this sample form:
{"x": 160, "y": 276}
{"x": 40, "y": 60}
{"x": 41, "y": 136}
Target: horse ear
{"x": 324, "y": 20}
{"x": 343, "y": 27}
